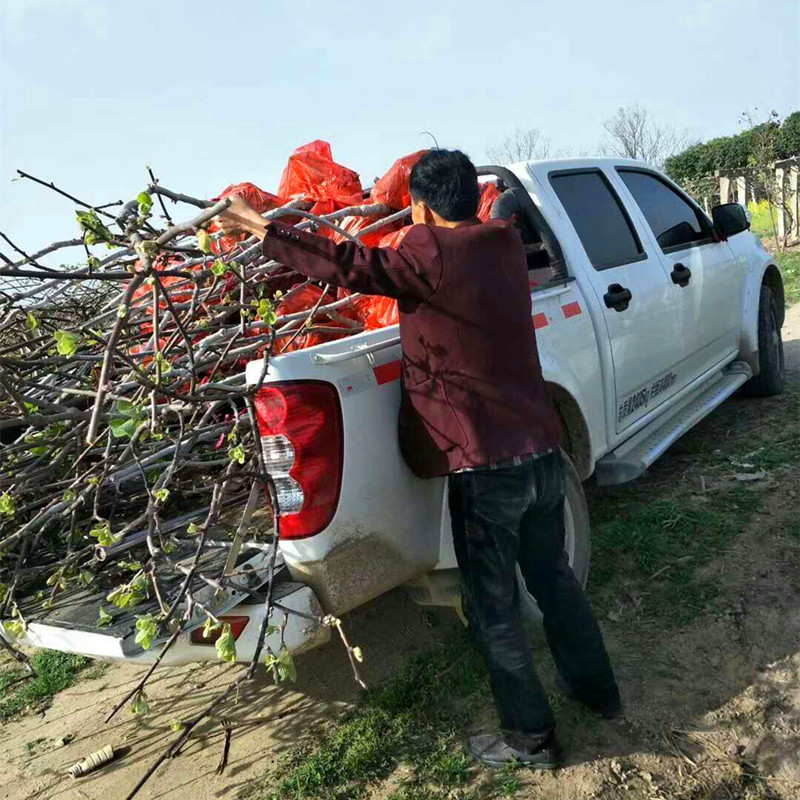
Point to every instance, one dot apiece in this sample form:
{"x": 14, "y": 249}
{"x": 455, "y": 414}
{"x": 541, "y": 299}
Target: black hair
{"x": 446, "y": 181}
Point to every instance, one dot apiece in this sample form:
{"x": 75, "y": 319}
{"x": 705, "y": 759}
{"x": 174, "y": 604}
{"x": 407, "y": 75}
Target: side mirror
{"x": 729, "y": 219}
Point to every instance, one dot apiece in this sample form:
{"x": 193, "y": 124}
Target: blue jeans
{"x": 515, "y": 516}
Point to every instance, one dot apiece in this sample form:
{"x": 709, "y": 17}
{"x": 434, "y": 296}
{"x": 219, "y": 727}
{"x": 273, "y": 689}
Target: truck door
{"x": 633, "y": 290}
{"x": 706, "y": 278}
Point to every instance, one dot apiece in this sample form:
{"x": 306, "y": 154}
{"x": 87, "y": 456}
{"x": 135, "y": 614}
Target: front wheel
{"x": 772, "y": 369}
{"x": 577, "y": 543}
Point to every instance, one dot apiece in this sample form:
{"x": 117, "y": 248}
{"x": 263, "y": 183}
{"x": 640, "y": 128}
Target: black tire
{"x": 770, "y": 380}
{"x": 578, "y": 545}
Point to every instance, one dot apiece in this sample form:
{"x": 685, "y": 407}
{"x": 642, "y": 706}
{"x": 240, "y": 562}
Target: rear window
{"x": 598, "y": 217}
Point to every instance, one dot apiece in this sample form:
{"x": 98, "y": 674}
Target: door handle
{"x": 617, "y": 297}
{"x": 681, "y": 275}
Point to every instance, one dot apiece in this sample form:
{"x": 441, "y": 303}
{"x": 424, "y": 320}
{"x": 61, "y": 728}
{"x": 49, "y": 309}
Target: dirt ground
{"x": 712, "y": 708}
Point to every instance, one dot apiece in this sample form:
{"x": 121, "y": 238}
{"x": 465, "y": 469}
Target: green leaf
{"x": 162, "y": 495}
{"x": 7, "y": 505}
{"x": 146, "y": 630}
{"x": 283, "y": 664}
{"x": 145, "y": 202}
{"x": 31, "y": 408}
{"x": 122, "y": 311}
{"x": 126, "y": 408}
{"x": 219, "y": 268}
{"x": 130, "y": 594}
{"x": 104, "y": 619}
{"x": 163, "y": 362}
{"x": 16, "y": 627}
{"x": 203, "y": 241}
{"x": 85, "y": 579}
{"x": 192, "y": 530}
{"x": 147, "y": 249}
{"x": 139, "y": 705}
{"x": 102, "y": 533}
{"x": 209, "y": 626}
{"x": 176, "y": 726}
{"x": 226, "y": 644}
{"x": 68, "y": 496}
{"x": 286, "y": 667}
{"x": 93, "y": 262}
{"x": 237, "y": 453}
{"x": 266, "y": 311}
{"x": 31, "y": 321}
{"x": 123, "y": 428}
{"x": 94, "y": 230}
{"x": 67, "y": 343}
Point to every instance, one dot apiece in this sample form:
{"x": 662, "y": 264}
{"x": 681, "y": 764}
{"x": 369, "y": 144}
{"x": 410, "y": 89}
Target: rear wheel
{"x": 772, "y": 374}
{"x": 577, "y": 543}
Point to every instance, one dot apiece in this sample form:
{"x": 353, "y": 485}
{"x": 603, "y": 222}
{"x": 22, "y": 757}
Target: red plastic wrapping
{"x": 305, "y": 300}
{"x": 489, "y": 193}
{"x": 257, "y": 198}
{"x": 394, "y": 240}
{"x": 354, "y": 225}
{"x": 312, "y": 173}
{"x": 371, "y": 310}
{"x": 392, "y": 188}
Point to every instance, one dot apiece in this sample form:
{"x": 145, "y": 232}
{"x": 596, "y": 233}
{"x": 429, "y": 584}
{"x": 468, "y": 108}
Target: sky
{"x": 208, "y": 94}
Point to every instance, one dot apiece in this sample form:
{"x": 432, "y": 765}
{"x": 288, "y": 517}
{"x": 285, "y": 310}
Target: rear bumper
{"x": 300, "y": 635}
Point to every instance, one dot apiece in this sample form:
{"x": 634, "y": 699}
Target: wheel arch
{"x": 577, "y": 441}
{"x": 772, "y": 277}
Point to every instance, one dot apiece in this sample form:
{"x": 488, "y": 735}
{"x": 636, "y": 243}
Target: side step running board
{"x": 630, "y": 460}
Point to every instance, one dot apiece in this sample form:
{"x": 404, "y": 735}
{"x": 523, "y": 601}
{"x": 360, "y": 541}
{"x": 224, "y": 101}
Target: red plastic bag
{"x": 378, "y": 312}
{"x": 354, "y": 225}
{"x": 373, "y": 311}
{"x": 305, "y": 300}
{"x": 394, "y": 240}
{"x": 312, "y": 173}
{"x": 489, "y": 193}
{"x": 392, "y": 188}
{"x": 257, "y": 198}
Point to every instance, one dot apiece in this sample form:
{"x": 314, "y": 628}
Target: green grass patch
{"x": 789, "y": 262}
{"x": 55, "y": 671}
{"x": 761, "y": 224}
{"x": 670, "y": 539}
{"x": 413, "y": 720}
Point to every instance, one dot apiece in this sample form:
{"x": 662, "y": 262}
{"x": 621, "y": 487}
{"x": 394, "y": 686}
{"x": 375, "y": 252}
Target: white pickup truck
{"x": 648, "y": 315}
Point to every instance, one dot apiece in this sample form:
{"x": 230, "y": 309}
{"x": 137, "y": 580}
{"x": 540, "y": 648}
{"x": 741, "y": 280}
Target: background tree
{"x": 524, "y": 144}
{"x": 734, "y": 152}
{"x": 633, "y": 133}
{"x": 765, "y": 150}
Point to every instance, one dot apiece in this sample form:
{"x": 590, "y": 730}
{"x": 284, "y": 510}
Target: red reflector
{"x": 386, "y": 373}
{"x": 540, "y": 321}
{"x": 309, "y": 415}
{"x": 238, "y": 624}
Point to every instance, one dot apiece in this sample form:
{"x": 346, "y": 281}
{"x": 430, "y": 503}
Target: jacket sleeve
{"x": 411, "y": 273}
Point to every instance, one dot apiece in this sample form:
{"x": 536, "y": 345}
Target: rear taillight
{"x": 300, "y": 424}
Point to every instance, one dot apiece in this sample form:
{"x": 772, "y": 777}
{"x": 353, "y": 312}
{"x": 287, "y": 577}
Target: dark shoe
{"x": 493, "y": 750}
{"x": 610, "y": 710}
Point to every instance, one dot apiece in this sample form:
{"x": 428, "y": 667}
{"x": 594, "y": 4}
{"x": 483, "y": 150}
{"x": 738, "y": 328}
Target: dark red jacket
{"x": 473, "y": 391}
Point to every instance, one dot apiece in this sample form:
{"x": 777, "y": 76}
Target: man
{"x": 475, "y": 408}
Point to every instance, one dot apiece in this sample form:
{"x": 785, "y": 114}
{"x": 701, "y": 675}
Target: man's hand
{"x": 240, "y": 217}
